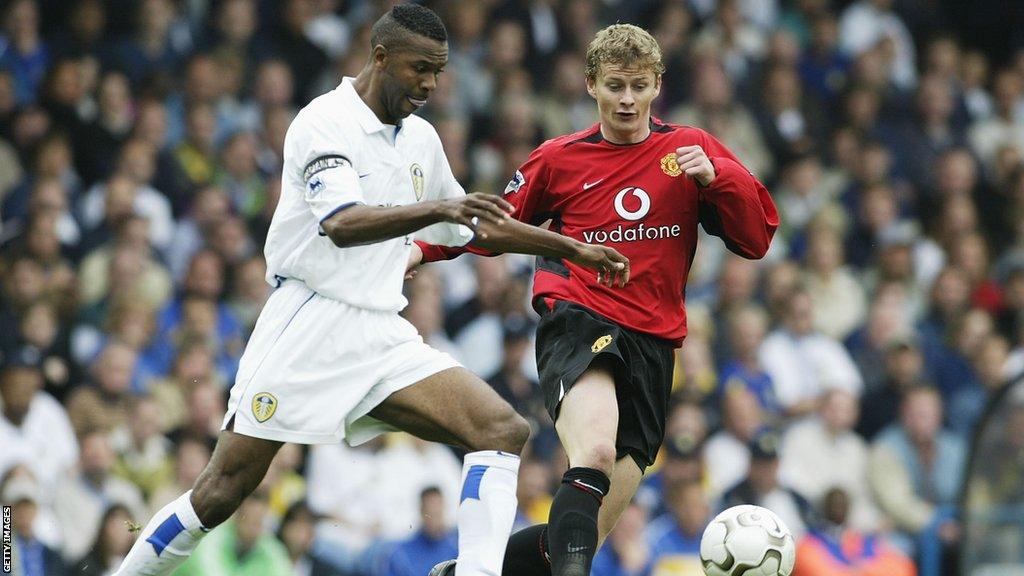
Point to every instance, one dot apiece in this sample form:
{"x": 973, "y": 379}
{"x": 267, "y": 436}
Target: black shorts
{"x": 570, "y": 337}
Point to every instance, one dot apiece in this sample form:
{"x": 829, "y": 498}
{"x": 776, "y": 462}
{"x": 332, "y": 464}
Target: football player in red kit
{"x": 605, "y": 354}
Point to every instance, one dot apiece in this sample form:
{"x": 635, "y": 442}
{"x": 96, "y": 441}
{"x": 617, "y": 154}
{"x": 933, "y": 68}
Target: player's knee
{"x": 508, "y": 433}
{"x": 600, "y": 456}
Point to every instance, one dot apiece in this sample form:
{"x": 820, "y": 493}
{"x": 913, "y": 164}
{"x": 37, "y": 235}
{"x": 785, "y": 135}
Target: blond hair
{"x": 624, "y": 45}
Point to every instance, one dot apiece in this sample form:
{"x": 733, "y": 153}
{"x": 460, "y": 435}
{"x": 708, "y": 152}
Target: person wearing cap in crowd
{"x": 904, "y": 368}
{"x": 31, "y": 556}
{"x": 762, "y": 487}
{"x": 34, "y": 428}
{"x": 903, "y": 257}
{"x": 517, "y": 383}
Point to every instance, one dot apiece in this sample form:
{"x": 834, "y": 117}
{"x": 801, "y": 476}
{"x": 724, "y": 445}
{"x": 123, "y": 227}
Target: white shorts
{"x": 315, "y": 367}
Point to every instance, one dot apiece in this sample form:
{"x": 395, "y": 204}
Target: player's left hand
{"x": 694, "y": 162}
{"x": 415, "y": 259}
{"x": 612, "y": 267}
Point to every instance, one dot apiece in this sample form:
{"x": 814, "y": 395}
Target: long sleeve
{"x": 525, "y": 191}
{"x": 736, "y": 206}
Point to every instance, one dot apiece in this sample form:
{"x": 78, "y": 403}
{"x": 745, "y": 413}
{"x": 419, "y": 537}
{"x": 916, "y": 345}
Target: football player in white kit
{"x": 330, "y": 357}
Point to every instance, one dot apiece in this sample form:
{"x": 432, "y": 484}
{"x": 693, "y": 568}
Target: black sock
{"x": 572, "y": 525}
{"x": 527, "y": 553}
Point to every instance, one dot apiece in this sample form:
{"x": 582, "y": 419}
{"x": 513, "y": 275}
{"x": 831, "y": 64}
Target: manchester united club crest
{"x": 601, "y": 343}
{"x": 263, "y": 406}
{"x": 418, "y": 182}
{"x": 670, "y": 166}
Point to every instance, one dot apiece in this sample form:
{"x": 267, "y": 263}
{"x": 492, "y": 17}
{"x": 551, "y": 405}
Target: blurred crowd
{"x": 837, "y": 382}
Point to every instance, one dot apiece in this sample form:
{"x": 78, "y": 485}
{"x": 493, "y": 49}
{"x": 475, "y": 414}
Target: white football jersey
{"x": 338, "y": 153}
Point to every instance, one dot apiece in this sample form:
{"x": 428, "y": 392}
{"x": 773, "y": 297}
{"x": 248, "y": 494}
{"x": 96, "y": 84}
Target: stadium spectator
{"x": 915, "y": 470}
{"x": 515, "y": 383}
{"x": 904, "y": 369}
{"x": 190, "y": 458}
{"x": 103, "y": 403}
{"x": 40, "y": 334}
{"x": 476, "y": 325}
{"x": 682, "y": 463}
{"x": 112, "y": 543}
{"x": 837, "y": 298}
{"x": 34, "y": 427}
{"x": 626, "y": 551}
{"x": 727, "y": 453}
{"x": 80, "y": 500}
{"x": 674, "y": 538}
{"x": 24, "y": 53}
{"x": 834, "y": 548}
{"x": 241, "y": 546}
{"x": 804, "y": 363}
{"x": 433, "y": 542}
{"x": 867, "y": 24}
{"x": 205, "y": 415}
{"x": 888, "y": 321}
{"x": 298, "y": 534}
{"x": 823, "y": 452}
{"x": 31, "y": 556}
{"x": 143, "y": 453}
{"x": 533, "y": 492}
{"x": 736, "y": 288}
{"x": 714, "y": 108}
{"x": 991, "y": 133}
{"x": 763, "y": 487}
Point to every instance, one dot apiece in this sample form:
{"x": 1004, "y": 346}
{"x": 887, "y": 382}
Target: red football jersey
{"x": 635, "y": 199}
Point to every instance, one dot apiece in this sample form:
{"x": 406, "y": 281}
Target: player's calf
{"x": 238, "y": 465}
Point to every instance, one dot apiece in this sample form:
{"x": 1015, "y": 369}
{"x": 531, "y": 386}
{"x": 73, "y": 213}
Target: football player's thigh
{"x": 588, "y": 418}
{"x": 453, "y": 406}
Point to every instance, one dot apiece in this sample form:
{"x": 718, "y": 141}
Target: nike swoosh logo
{"x": 365, "y": 175}
{"x": 589, "y": 185}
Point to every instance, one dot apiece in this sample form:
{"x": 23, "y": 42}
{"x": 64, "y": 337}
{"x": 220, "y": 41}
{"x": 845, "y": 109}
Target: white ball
{"x": 747, "y": 541}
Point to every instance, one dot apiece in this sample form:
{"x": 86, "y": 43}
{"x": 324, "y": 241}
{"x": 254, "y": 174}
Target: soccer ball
{"x": 747, "y": 541}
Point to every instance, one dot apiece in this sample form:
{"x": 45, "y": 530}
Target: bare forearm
{"x": 515, "y": 236}
{"x": 361, "y": 224}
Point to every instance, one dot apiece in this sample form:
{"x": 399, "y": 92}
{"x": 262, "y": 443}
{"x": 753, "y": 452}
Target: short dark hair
{"x": 393, "y": 28}
{"x": 430, "y": 491}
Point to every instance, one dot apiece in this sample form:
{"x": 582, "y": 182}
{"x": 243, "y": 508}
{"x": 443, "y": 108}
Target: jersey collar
{"x": 367, "y": 119}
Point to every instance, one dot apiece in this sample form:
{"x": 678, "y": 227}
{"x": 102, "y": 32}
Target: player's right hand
{"x": 470, "y": 209}
{"x": 612, "y": 267}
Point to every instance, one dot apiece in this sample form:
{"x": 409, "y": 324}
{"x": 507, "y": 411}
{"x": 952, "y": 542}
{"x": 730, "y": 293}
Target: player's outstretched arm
{"x": 514, "y": 236}
{"x": 360, "y": 224}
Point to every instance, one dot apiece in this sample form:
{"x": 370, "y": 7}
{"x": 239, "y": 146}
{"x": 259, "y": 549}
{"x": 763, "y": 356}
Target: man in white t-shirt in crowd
{"x": 330, "y": 358}
{"x": 804, "y": 363}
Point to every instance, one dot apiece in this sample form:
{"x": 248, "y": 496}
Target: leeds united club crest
{"x": 263, "y": 406}
{"x": 418, "y": 182}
